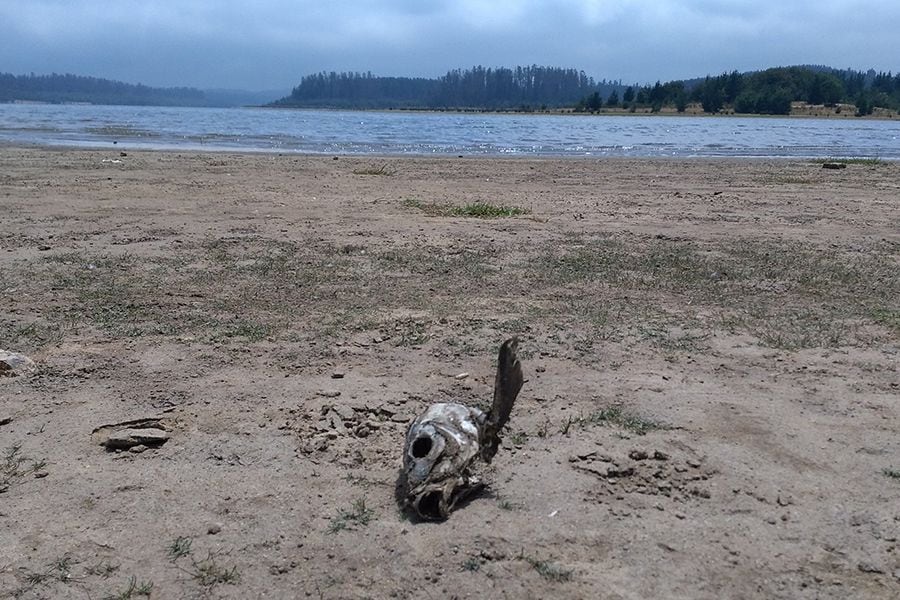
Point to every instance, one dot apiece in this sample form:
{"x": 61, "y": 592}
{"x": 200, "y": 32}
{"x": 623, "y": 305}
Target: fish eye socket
{"x": 421, "y": 447}
{"x": 429, "y": 506}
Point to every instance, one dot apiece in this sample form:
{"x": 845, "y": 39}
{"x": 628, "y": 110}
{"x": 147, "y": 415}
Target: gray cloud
{"x": 272, "y": 43}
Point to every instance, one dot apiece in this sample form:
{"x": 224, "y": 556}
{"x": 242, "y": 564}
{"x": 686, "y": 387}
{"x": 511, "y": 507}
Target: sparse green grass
{"x": 206, "y": 571}
{"x": 479, "y": 210}
{"x": 617, "y": 416}
{"x": 888, "y": 318}
{"x": 102, "y": 569}
{"x": 382, "y": 169}
{"x": 892, "y": 473}
{"x": 180, "y": 546}
{"x": 549, "y": 570}
{"x": 870, "y": 161}
{"x": 358, "y": 515}
{"x": 408, "y": 332}
{"x": 471, "y": 564}
{"x": 250, "y": 288}
{"x": 507, "y": 504}
{"x": 250, "y": 330}
{"x": 789, "y": 295}
{"x": 14, "y": 466}
{"x": 484, "y": 210}
{"x": 517, "y": 438}
{"x": 133, "y": 589}
{"x": 59, "y": 570}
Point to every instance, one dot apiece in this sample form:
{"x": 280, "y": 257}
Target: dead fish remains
{"x": 444, "y": 444}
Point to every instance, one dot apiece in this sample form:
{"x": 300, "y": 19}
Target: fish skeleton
{"x": 445, "y": 443}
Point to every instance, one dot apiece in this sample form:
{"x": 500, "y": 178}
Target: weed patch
{"x": 617, "y": 416}
{"x": 14, "y": 466}
{"x": 382, "y": 169}
{"x": 359, "y": 515}
{"x": 549, "y": 570}
{"x": 133, "y": 589}
{"x": 483, "y": 210}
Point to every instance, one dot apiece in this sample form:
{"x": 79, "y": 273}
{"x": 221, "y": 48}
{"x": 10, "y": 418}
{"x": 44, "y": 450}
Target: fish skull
{"x": 441, "y": 445}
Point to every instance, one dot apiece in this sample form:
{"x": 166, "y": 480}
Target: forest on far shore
{"x": 550, "y": 88}
{"x": 772, "y": 91}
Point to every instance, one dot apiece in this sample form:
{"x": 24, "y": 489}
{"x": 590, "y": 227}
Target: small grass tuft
{"x": 892, "y": 473}
{"x": 617, "y": 416}
{"x": 14, "y": 466}
{"x": 518, "y": 438}
{"x": 181, "y": 546}
{"x": 548, "y": 570}
{"x": 869, "y": 161}
{"x": 483, "y": 210}
{"x": 102, "y": 569}
{"x": 133, "y": 589}
{"x": 208, "y": 572}
{"x": 359, "y": 514}
{"x": 375, "y": 170}
{"x": 887, "y": 318}
{"x": 471, "y": 564}
{"x": 506, "y": 504}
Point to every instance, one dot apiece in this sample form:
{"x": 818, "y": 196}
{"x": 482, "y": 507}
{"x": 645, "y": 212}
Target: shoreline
{"x": 125, "y": 147}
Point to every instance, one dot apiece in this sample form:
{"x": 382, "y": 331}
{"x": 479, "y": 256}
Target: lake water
{"x": 422, "y": 133}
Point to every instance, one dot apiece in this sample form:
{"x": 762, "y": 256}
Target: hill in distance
{"x": 68, "y": 88}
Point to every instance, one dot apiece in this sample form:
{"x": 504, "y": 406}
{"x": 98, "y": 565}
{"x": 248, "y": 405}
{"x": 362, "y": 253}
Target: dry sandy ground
{"x": 712, "y": 405}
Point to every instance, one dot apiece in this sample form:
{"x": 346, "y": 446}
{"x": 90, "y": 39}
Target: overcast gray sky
{"x": 271, "y": 44}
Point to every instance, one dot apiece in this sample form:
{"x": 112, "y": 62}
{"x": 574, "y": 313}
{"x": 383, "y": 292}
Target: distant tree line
{"x": 519, "y": 88}
{"x": 761, "y": 92}
{"x": 74, "y": 88}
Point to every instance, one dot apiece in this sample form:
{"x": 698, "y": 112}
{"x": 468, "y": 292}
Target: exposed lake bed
{"x": 710, "y": 348}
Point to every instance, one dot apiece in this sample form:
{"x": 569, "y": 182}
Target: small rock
{"x": 337, "y": 375}
{"x": 138, "y": 449}
{"x": 337, "y": 423}
{"x": 638, "y": 455}
{"x": 657, "y": 455}
{"x": 785, "y": 501}
{"x": 693, "y": 463}
{"x": 329, "y": 393}
{"x": 386, "y": 410}
{"x": 127, "y": 438}
{"x": 214, "y": 529}
{"x": 13, "y": 364}
{"x": 344, "y": 412}
{"x": 540, "y": 369}
{"x": 583, "y": 453}
{"x": 461, "y": 376}
{"x": 41, "y": 474}
{"x": 867, "y": 567}
{"x": 624, "y": 471}
{"x": 44, "y": 247}
{"x": 834, "y": 165}
{"x": 5, "y": 421}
